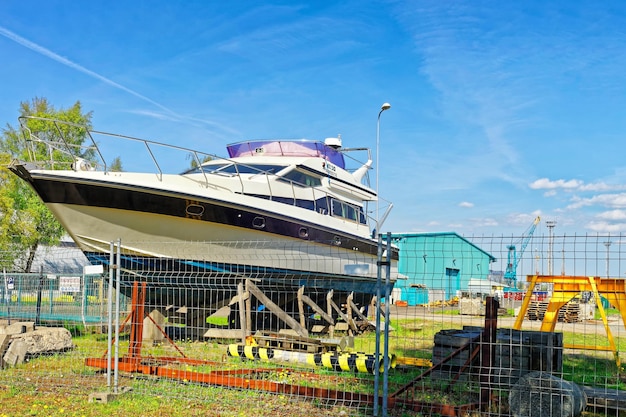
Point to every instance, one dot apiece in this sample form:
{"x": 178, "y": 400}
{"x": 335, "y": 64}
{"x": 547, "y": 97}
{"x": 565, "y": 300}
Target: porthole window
{"x": 258, "y": 222}
{"x": 194, "y": 209}
{"x": 303, "y": 233}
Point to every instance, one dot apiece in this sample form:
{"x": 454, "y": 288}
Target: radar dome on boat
{"x": 333, "y": 142}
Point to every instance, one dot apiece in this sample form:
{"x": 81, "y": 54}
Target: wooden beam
{"x": 237, "y": 298}
{"x": 248, "y": 309}
{"x": 274, "y": 308}
{"x": 349, "y": 313}
{"x": 343, "y": 316}
{"x": 355, "y": 308}
{"x": 242, "y": 313}
{"x": 301, "y": 306}
{"x": 215, "y": 333}
{"x": 329, "y": 311}
{"x": 306, "y": 299}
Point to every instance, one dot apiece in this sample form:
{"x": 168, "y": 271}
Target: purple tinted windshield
{"x": 286, "y": 148}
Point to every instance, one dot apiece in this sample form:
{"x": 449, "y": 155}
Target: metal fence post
{"x": 117, "y": 315}
{"x": 8, "y": 289}
{"x": 83, "y": 306}
{"x": 39, "y": 291}
{"x": 110, "y": 315}
{"x": 377, "y": 348}
{"x": 387, "y": 264}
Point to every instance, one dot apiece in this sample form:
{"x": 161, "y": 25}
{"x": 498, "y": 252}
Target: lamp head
{"x": 385, "y": 106}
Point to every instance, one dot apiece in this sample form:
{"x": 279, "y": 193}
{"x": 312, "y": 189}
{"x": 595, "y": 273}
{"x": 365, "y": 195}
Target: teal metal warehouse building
{"x": 436, "y": 266}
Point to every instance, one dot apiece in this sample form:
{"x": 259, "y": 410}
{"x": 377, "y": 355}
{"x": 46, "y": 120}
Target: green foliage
{"x": 25, "y": 222}
{"x": 608, "y": 311}
{"x": 70, "y": 135}
{"x": 116, "y": 165}
{"x": 194, "y": 160}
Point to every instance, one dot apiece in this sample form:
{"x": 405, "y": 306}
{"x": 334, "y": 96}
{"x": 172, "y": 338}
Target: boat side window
{"x": 347, "y": 211}
{"x": 337, "y": 208}
{"x": 307, "y": 204}
{"x": 205, "y": 168}
{"x": 302, "y": 179}
{"x": 256, "y": 169}
{"x": 234, "y": 169}
{"x": 350, "y": 212}
{"x": 362, "y": 216}
{"x": 321, "y": 205}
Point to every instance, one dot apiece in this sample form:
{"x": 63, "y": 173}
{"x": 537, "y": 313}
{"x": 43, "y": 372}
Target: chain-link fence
{"x": 472, "y": 324}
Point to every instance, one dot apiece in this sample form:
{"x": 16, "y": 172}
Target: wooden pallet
{"x": 293, "y": 342}
{"x": 572, "y": 312}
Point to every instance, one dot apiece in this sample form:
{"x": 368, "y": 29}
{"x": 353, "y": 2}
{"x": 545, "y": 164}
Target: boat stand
{"x": 353, "y": 321}
{"x": 254, "y": 379}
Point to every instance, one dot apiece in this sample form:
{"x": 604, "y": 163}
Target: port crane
{"x": 513, "y": 258}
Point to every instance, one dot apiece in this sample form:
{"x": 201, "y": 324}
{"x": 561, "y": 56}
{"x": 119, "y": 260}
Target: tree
{"x": 194, "y": 160}
{"x": 116, "y": 165}
{"x": 25, "y": 222}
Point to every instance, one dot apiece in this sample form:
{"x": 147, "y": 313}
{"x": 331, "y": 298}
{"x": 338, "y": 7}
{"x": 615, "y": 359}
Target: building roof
{"x": 66, "y": 257}
{"x": 439, "y": 234}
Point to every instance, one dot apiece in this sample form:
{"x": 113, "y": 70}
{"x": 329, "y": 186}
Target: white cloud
{"x": 547, "y": 184}
{"x": 466, "y": 204}
{"x": 613, "y": 215}
{"x": 606, "y": 200}
{"x": 601, "y": 186}
{"x": 572, "y": 185}
{"x": 523, "y": 219}
{"x": 485, "y": 222}
{"x": 606, "y": 227}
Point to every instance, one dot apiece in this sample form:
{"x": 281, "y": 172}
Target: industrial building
{"x": 436, "y": 266}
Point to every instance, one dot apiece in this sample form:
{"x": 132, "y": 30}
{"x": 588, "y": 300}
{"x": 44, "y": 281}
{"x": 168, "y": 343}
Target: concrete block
{"x": 342, "y": 326}
{"x": 105, "y": 397}
{"x": 5, "y": 339}
{"x": 18, "y": 327}
{"x": 16, "y": 353}
{"x": 46, "y": 340}
{"x": 151, "y": 333}
{"x": 101, "y": 397}
{"x": 472, "y": 307}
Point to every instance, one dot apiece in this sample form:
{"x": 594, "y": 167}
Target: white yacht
{"x": 287, "y": 213}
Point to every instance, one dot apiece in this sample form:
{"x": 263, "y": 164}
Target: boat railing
{"x": 50, "y": 150}
{"x": 75, "y": 150}
{"x": 67, "y": 149}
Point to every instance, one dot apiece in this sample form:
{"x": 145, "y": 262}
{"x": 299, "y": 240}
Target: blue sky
{"x": 501, "y": 111}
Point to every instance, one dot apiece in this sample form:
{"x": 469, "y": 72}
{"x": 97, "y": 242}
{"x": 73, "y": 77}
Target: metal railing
{"x": 90, "y": 157}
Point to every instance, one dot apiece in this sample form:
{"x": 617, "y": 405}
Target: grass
{"x": 216, "y": 402}
{"x": 60, "y": 385}
{"x": 608, "y": 311}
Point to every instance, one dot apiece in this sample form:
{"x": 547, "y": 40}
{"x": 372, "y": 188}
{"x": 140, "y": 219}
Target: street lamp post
{"x": 376, "y": 234}
{"x": 385, "y": 106}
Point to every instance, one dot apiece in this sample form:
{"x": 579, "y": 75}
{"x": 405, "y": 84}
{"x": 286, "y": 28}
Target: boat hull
{"x": 159, "y": 236}
{"x": 193, "y": 249}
